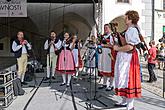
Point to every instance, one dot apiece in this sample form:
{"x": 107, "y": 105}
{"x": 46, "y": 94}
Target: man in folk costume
{"x": 52, "y": 46}
{"x": 105, "y": 59}
{"x": 127, "y": 67}
{"x": 21, "y": 49}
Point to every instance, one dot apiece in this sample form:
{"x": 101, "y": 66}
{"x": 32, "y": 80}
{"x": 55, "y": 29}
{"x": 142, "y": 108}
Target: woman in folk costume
{"x": 65, "y": 64}
{"x": 105, "y": 59}
{"x": 127, "y": 68}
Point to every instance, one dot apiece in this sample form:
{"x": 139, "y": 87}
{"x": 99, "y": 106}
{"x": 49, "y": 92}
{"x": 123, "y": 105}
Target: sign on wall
{"x": 13, "y": 8}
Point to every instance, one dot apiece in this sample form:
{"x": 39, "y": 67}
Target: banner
{"x": 13, "y": 8}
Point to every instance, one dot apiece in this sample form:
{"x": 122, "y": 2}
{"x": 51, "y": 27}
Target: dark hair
{"x": 133, "y": 15}
{"x": 52, "y": 31}
{"x": 152, "y": 42}
{"x": 68, "y": 33}
{"x": 107, "y": 25}
{"x": 19, "y": 32}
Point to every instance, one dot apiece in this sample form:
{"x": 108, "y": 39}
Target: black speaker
{"x": 8, "y": 0}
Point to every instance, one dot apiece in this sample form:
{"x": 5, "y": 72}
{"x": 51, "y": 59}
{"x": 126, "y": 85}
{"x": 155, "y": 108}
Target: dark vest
{"x": 104, "y": 40}
{"x": 18, "y": 53}
{"x": 76, "y": 46}
{"x": 68, "y": 45}
{"x": 49, "y": 40}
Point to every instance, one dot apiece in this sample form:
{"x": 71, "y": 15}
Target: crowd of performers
{"x": 114, "y": 55}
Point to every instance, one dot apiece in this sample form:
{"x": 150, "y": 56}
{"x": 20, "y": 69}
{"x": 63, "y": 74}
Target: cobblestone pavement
{"x": 155, "y": 87}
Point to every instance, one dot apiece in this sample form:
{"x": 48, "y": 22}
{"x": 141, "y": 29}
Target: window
{"x": 163, "y": 4}
{"x": 1, "y": 46}
{"x": 163, "y": 29}
{"x": 123, "y": 1}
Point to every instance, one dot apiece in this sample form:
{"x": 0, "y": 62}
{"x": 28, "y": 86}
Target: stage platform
{"x": 47, "y": 96}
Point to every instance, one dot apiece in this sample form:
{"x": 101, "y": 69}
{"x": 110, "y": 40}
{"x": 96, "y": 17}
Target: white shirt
{"x": 57, "y": 45}
{"x": 132, "y": 36}
{"x": 16, "y": 47}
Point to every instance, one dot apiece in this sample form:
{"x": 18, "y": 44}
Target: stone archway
{"x": 75, "y": 24}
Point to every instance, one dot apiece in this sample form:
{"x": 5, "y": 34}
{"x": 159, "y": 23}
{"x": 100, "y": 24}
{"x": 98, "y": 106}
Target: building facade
{"x": 80, "y": 18}
{"x": 159, "y": 19}
{"x": 113, "y": 11}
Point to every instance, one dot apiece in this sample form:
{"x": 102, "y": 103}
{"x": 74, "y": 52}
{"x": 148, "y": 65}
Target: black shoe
{"x": 155, "y": 80}
{"x": 46, "y": 78}
{"x": 102, "y": 87}
{"x": 62, "y": 84}
{"x": 120, "y": 105}
{"x": 24, "y": 83}
{"x": 53, "y": 77}
{"x": 132, "y": 108}
{"x": 150, "y": 81}
{"x": 109, "y": 88}
{"x": 67, "y": 85}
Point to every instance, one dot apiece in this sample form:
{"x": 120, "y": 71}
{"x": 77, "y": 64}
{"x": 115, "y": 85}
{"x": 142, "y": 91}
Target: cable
{"x": 63, "y": 17}
{"x": 49, "y": 16}
{"x": 73, "y": 100}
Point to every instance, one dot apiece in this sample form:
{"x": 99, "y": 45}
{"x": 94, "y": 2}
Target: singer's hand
{"x": 102, "y": 45}
{"x": 52, "y": 42}
{"x": 55, "y": 49}
{"x": 115, "y": 47}
{"x": 25, "y": 42}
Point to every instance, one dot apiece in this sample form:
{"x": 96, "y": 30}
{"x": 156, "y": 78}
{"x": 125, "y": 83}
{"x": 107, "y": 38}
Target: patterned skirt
{"x": 65, "y": 63}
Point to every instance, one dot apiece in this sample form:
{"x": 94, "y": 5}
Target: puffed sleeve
{"x": 58, "y": 44}
{"x": 132, "y": 36}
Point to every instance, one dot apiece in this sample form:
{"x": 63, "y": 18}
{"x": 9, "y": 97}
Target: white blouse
{"x": 132, "y": 36}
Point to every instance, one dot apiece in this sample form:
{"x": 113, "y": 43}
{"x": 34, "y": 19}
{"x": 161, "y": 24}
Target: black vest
{"x": 49, "y": 40}
{"x": 76, "y": 46}
{"x": 18, "y": 53}
{"x": 103, "y": 41}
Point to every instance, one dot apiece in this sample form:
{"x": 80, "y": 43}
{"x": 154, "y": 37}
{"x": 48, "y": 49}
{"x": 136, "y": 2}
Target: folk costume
{"x": 106, "y": 61}
{"x": 52, "y": 55}
{"x": 65, "y": 62}
{"x": 127, "y": 70}
{"x": 21, "y": 50}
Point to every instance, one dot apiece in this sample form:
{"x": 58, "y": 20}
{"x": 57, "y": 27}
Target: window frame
{"x": 163, "y": 4}
{"x": 122, "y": 1}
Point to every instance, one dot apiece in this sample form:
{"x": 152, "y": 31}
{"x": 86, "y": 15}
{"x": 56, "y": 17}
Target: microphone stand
{"x": 66, "y": 89}
{"x": 34, "y": 76}
{"x": 95, "y": 98}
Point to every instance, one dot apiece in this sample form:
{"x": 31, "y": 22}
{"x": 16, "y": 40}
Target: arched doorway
{"x": 75, "y": 24}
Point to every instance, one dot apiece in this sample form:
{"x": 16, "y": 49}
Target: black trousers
{"x": 152, "y": 76}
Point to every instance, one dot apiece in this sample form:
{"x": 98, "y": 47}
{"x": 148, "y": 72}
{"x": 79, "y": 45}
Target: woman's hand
{"x": 116, "y": 47}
